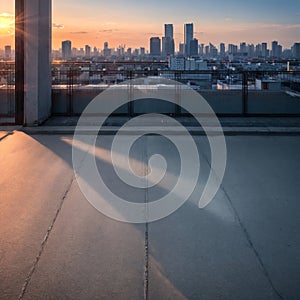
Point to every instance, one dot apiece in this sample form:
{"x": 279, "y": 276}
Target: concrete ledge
{"x": 112, "y": 130}
{"x": 6, "y": 131}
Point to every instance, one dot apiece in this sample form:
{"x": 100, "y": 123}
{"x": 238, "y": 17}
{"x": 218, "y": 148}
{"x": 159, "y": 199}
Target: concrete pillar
{"x": 19, "y": 62}
{"x": 37, "y": 60}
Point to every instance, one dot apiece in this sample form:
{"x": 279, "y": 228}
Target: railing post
{"x": 178, "y": 92}
{"x": 130, "y": 94}
{"x": 245, "y": 93}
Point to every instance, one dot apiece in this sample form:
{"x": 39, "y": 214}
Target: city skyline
{"x": 233, "y": 23}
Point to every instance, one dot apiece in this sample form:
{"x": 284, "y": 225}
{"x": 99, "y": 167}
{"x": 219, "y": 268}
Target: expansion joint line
{"x": 146, "y": 266}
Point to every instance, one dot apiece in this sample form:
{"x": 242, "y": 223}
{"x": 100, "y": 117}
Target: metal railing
{"x": 229, "y": 92}
{"x": 7, "y": 90}
{"x": 228, "y": 87}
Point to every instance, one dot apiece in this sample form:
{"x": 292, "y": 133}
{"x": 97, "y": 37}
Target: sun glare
{"x": 6, "y": 24}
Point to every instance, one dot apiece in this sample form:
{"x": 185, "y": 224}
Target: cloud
{"x": 6, "y": 15}
{"x": 153, "y": 33}
{"x": 109, "y": 24}
{"x": 228, "y": 19}
{"x": 58, "y": 26}
{"x": 78, "y": 32}
{"x": 108, "y": 30}
{"x": 267, "y": 26}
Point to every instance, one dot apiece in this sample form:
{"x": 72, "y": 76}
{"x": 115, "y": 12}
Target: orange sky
{"x": 135, "y": 24}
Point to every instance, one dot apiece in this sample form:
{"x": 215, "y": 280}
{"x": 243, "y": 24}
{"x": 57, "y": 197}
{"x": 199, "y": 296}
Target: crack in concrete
{"x": 255, "y": 251}
{"x": 44, "y": 242}
{"x": 146, "y": 267}
{"x": 247, "y": 236}
{"x": 6, "y": 135}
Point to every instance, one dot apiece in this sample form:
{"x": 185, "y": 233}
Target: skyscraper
{"x": 181, "y": 49}
{"x": 222, "y": 50}
{"x": 7, "y": 53}
{"x": 296, "y": 50}
{"x": 155, "y": 46}
{"x": 243, "y": 48}
{"x": 169, "y": 32}
{"x": 274, "y": 48}
{"x": 106, "y": 50}
{"x": 232, "y": 49}
{"x": 142, "y": 51}
{"x": 264, "y": 49}
{"x": 168, "y": 45}
{"x": 201, "y": 49}
{"x": 194, "y": 47}
{"x": 188, "y": 36}
{"x": 87, "y": 51}
{"x": 66, "y": 50}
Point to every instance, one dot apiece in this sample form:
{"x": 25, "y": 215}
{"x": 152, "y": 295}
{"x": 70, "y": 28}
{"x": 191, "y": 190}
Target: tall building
{"x": 181, "y": 49}
{"x": 201, "y": 49}
{"x": 213, "y": 51}
{"x": 188, "y": 36}
{"x": 95, "y": 52}
{"x": 194, "y": 47}
{"x": 296, "y": 50}
{"x": 274, "y": 48}
{"x": 87, "y": 51}
{"x": 155, "y": 46}
{"x": 279, "y": 51}
{"x": 129, "y": 52}
{"x": 232, "y": 49}
{"x": 222, "y": 50}
{"x": 206, "y": 51}
{"x": 251, "y": 50}
{"x": 264, "y": 50}
{"x": 169, "y": 32}
{"x": 258, "y": 50}
{"x": 81, "y": 52}
{"x": 243, "y": 48}
{"x": 142, "y": 51}
{"x": 7, "y": 52}
{"x": 66, "y": 50}
{"x": 168, "y": 45}
{"x": 106, "y": 50}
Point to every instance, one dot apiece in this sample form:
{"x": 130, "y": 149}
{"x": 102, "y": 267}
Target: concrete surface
{"x": 7, "y": 130}
{"x": 244, "y": 245}
{"x": 230, "y": 125}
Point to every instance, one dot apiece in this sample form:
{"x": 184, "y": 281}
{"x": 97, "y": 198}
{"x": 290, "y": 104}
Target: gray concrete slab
{"x": 262, "y": 183}
{"x": 88, "y": 255}
{"x": 55, "y": 245}
{"x": 32, "y": 184}
{"x": 202, "y": 254}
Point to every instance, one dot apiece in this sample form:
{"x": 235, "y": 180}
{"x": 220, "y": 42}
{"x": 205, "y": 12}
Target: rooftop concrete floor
{"x": 244, "y": 245}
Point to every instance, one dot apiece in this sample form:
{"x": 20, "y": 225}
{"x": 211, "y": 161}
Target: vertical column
{"x": 37, "y": 60}
{"x": 19, "y": 62}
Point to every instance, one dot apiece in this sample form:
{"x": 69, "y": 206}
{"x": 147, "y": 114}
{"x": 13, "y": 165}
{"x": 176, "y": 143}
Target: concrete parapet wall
{"x": 222, "y": 102}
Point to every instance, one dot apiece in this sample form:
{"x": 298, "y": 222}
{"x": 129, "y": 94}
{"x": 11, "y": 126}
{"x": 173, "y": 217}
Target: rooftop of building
{"x": 245, "y": 244}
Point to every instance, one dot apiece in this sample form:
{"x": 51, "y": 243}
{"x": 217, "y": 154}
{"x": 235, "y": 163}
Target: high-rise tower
{"x": 188, "y": 37}
{"x": 168, "y": 45}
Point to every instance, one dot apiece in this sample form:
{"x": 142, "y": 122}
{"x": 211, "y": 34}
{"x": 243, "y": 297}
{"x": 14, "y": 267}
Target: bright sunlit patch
{"x": 6, "y": 24}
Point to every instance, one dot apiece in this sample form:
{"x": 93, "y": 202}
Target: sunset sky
{"x": 133, "y": 22}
